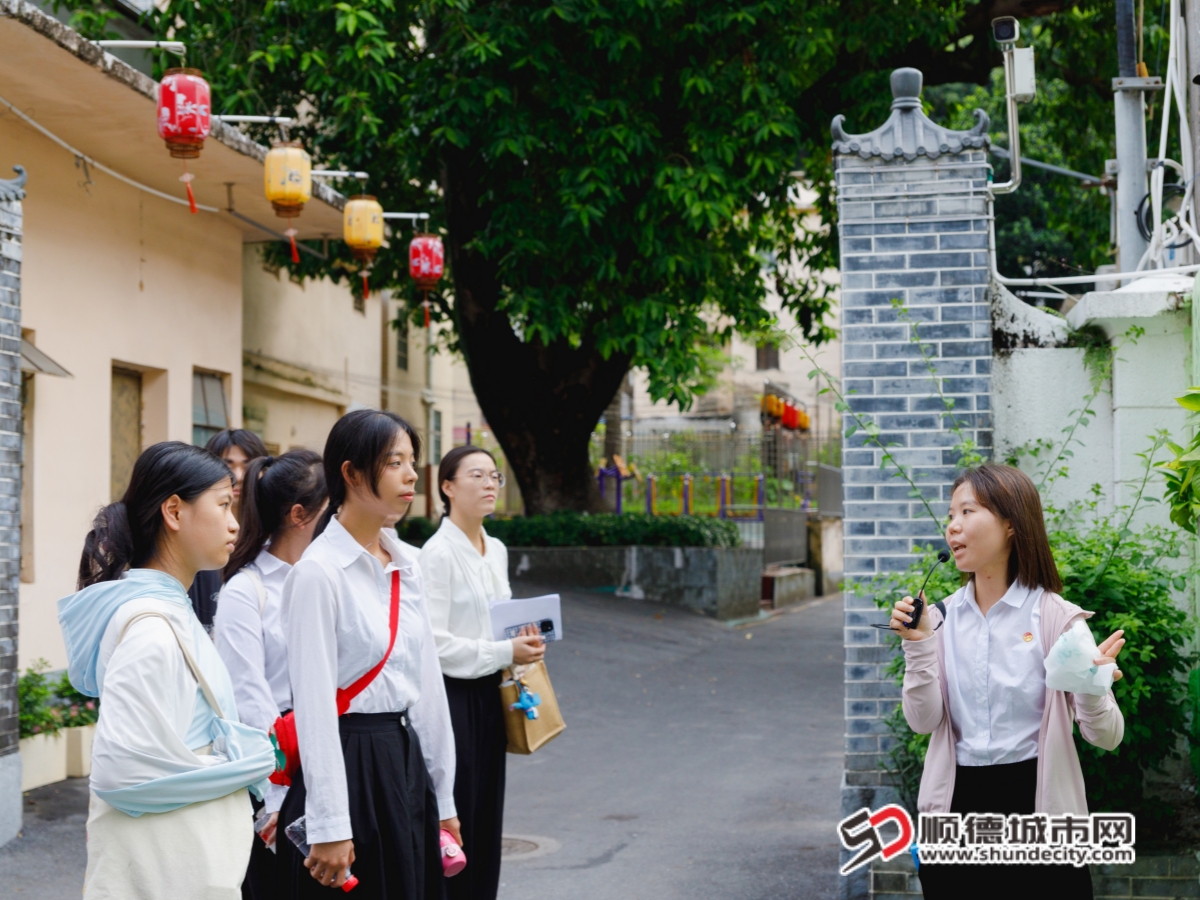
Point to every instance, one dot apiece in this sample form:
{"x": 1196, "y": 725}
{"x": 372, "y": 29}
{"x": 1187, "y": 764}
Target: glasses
{"x": 481, "y": 477}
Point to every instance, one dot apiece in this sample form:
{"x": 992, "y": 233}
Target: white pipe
{"x": 1070, "y": 279}
{"x": 332, "y": 173}
{"x": 176, "y": 47}
{"x": 257, "y": 120}
{"x": 1014, "y": 130}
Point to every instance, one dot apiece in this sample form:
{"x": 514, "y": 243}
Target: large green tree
{"x": 611, "y": 176}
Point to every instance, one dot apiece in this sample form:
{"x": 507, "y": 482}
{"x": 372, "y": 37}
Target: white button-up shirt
{"x": 995, "y": 676}
{"x": 252, "y": 644}
{"x": 461, "y": 585}
{"x": 335, "y": 616}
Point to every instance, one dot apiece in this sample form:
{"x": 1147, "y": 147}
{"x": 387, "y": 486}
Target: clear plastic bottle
{"x": 297, "y": 833}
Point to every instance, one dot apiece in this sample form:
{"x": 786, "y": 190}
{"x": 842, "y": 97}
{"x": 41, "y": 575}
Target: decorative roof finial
{"x": 13, "y": 188}
{"x": 908, "y": 132}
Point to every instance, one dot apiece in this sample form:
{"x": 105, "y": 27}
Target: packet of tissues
{"x": 1069, "y": 665}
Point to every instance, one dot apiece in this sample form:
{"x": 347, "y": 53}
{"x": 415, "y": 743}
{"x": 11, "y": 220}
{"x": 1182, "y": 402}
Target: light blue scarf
{"x": 246, "y": 755}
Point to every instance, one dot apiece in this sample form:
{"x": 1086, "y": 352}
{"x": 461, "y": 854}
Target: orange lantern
{"x": 184, "y": 118}
{"x": 287, "y": 180}
{"x": 362, "y": 230}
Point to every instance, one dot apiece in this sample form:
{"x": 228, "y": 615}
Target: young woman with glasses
{"x": 466, "y": 570}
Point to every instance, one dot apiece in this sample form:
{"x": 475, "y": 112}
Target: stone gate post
{"x": 11, "y": 194}
{"x": 912, "y": 216}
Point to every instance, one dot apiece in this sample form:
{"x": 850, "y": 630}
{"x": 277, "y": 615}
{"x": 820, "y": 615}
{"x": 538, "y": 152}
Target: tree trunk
{"x": 542, "y": 401}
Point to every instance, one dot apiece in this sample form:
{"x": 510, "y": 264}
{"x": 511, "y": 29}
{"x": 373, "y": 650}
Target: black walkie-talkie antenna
{"x": 918, "y": 603}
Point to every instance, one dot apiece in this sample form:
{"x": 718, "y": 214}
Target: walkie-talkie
{"x": 918, "y": 600}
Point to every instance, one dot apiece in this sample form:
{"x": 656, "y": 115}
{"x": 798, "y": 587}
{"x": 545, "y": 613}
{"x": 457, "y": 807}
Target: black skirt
{"x": 481, "y": 746}
{"x": 1009, "y": 789}
{"x": 393, "y": 816}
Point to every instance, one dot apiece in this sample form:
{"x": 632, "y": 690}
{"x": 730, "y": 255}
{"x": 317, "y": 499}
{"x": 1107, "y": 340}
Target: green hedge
{"x": 610, "y": 530}
{"x": 415, "y": 530}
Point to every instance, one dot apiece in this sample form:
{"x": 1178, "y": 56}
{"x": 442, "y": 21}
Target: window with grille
{"x": 210, "y": 409}
{"x": 435, "y": 451}
{"x": 402, "y": 345}
{"x": 768, "y": 357}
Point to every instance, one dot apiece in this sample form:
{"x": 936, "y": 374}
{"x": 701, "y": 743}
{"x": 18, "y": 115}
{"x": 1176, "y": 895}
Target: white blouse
{"x": 335, "y": 617}
{"x": 253, "y": 646}
{"x": 995, "y": 676}
{"x": 461, "y": 585}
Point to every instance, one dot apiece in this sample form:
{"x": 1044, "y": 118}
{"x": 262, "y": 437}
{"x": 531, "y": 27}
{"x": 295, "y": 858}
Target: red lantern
{"x": 790, "y": 419}
{"x": 184, "y": 112}
{"x": 426, "y": 260}
{"x": 184, "y": 117}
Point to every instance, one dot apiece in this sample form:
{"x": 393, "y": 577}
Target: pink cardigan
{"x": 1059, "y": 777}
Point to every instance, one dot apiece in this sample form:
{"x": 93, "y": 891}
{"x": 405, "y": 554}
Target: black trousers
{"x": 393, "y": 816}
{"x": 481, "y": 747}
{"x": 1008, "y": 789}
{"x": 262, "y": 875}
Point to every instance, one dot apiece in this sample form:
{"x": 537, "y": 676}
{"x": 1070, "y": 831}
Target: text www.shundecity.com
{"x": 993, "y": 854}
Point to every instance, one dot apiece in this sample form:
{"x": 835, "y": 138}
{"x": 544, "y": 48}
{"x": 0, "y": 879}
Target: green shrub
{"x": 568, "y": 529}
{"x": 415, "y": 530}
{"x": 76, "y": 708}
{"x": 38, "y": 714}
{"x": 45, "y": 707}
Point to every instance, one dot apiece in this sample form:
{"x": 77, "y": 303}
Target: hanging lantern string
{"x": 98, "y": 165}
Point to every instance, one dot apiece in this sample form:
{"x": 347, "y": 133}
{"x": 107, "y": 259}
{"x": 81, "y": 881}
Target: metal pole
{"x": 1014, "y": 130}
{"x": 1130, "y": 115}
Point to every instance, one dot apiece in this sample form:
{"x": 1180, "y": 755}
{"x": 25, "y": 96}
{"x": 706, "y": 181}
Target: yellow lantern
{"x": 362, "y": 226}
{"x": 362, "y": 230}
{"x": 287, "y": 177}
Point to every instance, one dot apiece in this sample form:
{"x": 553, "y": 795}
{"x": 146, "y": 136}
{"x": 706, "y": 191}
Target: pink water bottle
{"x": 453, "y": 858}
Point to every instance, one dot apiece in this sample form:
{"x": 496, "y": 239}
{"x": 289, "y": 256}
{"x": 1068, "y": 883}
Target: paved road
{"x": 700, "y": 762}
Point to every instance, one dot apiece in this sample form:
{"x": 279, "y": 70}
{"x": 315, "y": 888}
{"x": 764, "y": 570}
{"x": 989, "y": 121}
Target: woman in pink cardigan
{"x": 1001, "y": 740}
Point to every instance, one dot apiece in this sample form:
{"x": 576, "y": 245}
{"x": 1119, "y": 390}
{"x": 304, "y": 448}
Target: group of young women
{"x": 384, "y": 659}
{"x": 378, "y": 656}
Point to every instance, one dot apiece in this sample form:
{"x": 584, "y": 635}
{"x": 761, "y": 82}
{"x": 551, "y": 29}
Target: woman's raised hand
{"x": 1109, "y": 650}
{"x": 902, "y": 615}
{"x": 528, "y": 646}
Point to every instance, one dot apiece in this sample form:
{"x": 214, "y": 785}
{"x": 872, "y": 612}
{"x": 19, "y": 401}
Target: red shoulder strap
{"x": 344, "y": 696}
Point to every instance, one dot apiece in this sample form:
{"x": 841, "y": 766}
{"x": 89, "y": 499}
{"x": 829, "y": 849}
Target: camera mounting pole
{"x": 1005, "y": 31}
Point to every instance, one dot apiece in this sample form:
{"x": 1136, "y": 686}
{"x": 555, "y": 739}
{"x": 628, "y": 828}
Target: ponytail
{"x": 125, "y": 534}
{"x": 272, "y": 486}
{"x": 364, "y": 439}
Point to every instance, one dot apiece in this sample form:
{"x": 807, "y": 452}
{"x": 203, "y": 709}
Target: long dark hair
{"x": 449, "y": 468}
{"x": 364, "y": 439}
{"x": 274, "y": 484}
{"x": 247, "y": 441}
{"x": 1010, "y": 494}
{"x": 125, "y": 534}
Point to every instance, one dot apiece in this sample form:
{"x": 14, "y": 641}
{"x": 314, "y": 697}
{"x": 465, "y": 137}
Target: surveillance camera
{"x": 1005, "y": 30}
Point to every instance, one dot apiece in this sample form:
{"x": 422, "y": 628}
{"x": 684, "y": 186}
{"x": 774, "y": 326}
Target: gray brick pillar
{"x": 912, "y": 218}
{"x": 11, "y": 194}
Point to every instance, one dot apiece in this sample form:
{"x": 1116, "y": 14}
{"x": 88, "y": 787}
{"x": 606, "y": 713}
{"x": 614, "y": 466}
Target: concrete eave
{"x": 289, "y": 378}
{"x": 1139, "y": 302}
{"x": 106, "y": 109}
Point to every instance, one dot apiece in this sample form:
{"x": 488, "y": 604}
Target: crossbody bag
{"x": 284, "y": 731}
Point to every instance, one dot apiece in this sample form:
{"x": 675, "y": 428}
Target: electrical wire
{"x": 79, "y": 154}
